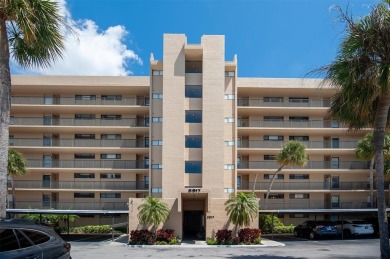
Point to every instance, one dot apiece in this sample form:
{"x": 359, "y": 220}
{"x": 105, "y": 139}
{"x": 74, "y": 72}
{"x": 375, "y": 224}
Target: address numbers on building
{"x": 194, "y": 190}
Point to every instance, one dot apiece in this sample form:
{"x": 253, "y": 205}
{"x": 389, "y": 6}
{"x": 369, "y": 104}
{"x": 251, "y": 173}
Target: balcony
{"x": 88, "y": 163}
{"x": 127, "y": 122}
{"x": 352, "y": 144}
{"x": 53, "y": 142}
{"x": 247, "y": 123}
{"x": 72, "y": 205}
{"x": 309, "y": 165}
{"x": 292, "y": 186}
{"x": 307, "y": 204}
{"x": 296, "y": 102}
{"x": 40, "y": 100}
{"x": 84, "y": 185}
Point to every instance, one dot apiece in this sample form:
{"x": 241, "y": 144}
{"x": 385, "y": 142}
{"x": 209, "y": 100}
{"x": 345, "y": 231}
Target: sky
{"x": 272, "y": 38}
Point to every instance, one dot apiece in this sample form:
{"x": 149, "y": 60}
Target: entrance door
{"x": 193, "y": 227}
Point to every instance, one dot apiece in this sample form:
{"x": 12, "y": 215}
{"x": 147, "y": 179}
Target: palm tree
{"x": 365, "y": 151}
{"x": 293, "y": 154}
{"x": 361, "y": 75}
{"x": 16, "y": 167}
{"x": 31, "y": 31}
{"x": 242, "y": 208}
{"x": 152, "y": 212}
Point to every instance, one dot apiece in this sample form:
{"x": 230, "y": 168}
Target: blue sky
{"x": 272, "y": 38}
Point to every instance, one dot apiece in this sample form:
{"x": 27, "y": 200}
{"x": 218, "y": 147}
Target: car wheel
{"x": 312, "y": 235}
{"x": 296, "y": 233}
{"x": 347, "y": 233}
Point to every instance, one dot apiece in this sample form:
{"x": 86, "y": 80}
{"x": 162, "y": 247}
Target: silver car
{"x": 354, "y": 227}
{"x": 23, "y": 239}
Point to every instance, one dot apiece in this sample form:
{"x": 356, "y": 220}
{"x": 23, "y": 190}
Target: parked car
{"x": 354, "y": 227}
{"x": 27, "y": 239}
{"x": 375, "y": 224}
{"x": 315, "y": 229}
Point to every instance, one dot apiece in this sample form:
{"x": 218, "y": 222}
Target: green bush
{"x": 99, "y": 229}
{"x": 265, "y": 222}
{"x": 284, "y": 229}
{"x": 211, "y": 241}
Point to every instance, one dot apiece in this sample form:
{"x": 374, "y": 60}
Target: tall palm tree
{"x": 361, "y": 75}
{"x": 31, "y": 31}
{"x": 242, "y": 208}
{"x": 16, "y": 167}
{"x": 152, "y": 212}
{"x": 365, "y": 151}
{"x": 292, "y": 154}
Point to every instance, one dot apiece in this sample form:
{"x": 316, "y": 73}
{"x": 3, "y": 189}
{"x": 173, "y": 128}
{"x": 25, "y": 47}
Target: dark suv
{"x": 27, "y": 239}
{"x": 314, "y": 229}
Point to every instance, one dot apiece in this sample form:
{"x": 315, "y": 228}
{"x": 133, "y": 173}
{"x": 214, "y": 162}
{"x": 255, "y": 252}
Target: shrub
{"x": 248, "y": 235}
{"x": 224, "y": 237}
{"x": 165, "y": 235}
{"x": 98, "y": 229}
{"x": 142, "y": 237}
{"x": 174, "y": 241}
{"x": 265, "y": 222}
{"x": 211, "y": 241}
{"x": 284, "y": 229}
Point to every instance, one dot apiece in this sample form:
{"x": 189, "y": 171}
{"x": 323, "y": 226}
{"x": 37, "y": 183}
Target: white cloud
{"x": 92, "y": 51}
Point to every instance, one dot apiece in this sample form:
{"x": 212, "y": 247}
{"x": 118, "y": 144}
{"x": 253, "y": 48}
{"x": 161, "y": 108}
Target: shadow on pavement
{"x": 89, "y": 237}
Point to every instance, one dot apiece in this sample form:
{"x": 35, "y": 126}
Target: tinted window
{"x": 23, "y": 241}
{"x": 193, "y": 91}
{"x": 8, "y": 240}
{"x": 36, "y": 237}
{"x": 193, "y": 116}
{"x": 193, "y": 167}
{"x": 194, "y": 141}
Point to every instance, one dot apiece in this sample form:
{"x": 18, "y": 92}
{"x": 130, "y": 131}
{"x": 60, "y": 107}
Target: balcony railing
{"x": 88, "y": 163}
{"x": 40, "y": 100}
{"x": 72, "y": 205}
{"x": 125, "y": 122}
{"x": 53, "y": 142}
{"x": 352, "y": 144}
{"x": 288, "y": 123}
{"x": 273, "y": 204}
{"x": 85, "y": 185}
{"x": 309, "y": 165}
{"x": 290, "y": 186}
{"x": 261, "y": 102}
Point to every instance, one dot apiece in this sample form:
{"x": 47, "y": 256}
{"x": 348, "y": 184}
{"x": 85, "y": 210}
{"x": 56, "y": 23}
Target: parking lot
{"x": 295, "y": 248}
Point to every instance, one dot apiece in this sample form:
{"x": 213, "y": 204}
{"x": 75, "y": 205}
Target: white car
{"x": 354, "y": 227}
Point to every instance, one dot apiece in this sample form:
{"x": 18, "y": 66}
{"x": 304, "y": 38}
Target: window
{"x": 229, "y": 96}
{"x": 335, "y": 163}
{"x": 157, "y": 142}
{"x": 111, "y": 117}
{"x": 110, "y": 195}
{"x": 12, "y": 120}
{"x": 269, "y": 176}
{"x": 299, "y": 215}
{"x": 111, "y": 136}
{"x": 8, "y": 240}
{"x": 112, "y": 97}
{"x": 229, "y": 167}
{"x": 274, "y": 196}
{"x": 298, "y": 176}
{"x": 84, "y": 116}
{"x": 273, "y": 118}
{"x": 157, "y": 96}
{"x": 87, "y": 195}
{"x": 299, "y": 138}
{"x": 194, "y": 141}
{"x": 110, "y": 176}
{"x": 335, "y": 199}
{"x": 157, "y": 119}
{"x": 335, "y": 143}
{"x": 335, "y": 124}
{"x": 193, "y": 167}
{"x": 85, "y": 97}
{"x": 229, "y": 73}
{"x": 193, "y": 91}
{"x": 229, "y": 143}
{"x": 298, "y": 100}
{"x": 157, "y": 72}
{"x": 11, "y": 140}
{"x": 47, "y": 161}
{"x": 229, "y": 190}
{"x": 156, "y": 190}
{"x": 238, "y": 182}
{"x": 36, "y": 237}
{"x": 46, "y": 120}
{"x": 84, "y": 175}
{"x": 23, "y": 241}
{"x": 48, "y": 100}
{"x": 229, "y": 120}
{"x": 298, "y": 118}
{"x": 194, "y": 116}
{"x": 157, "y": 166}
{"x": 146, "y": 181}
{"x": 110, "y": 156}
{"x": 84, "y": 156}
{"x": 269, "y": 157}
{"x": 84, "y": 136}
{"x": 273, "y": 137}
{"x": 273, "y": 99}
{"x": 299, "y": 196}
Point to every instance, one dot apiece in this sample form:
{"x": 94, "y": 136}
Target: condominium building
{"x": 192, "y": 133}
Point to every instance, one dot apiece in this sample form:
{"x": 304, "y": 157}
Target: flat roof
{"x": 76, "y": 212}
{"x": 313, "y": 211}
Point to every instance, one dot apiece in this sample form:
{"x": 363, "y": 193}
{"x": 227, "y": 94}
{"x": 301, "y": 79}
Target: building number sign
{"x": 194, "y": 190}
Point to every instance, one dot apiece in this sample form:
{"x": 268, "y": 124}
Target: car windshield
{"x": 359, "y": 222}
{"x": 325, "y": 223}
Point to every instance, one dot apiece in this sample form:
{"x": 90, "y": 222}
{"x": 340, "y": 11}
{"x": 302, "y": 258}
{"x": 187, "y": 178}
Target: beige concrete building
{"x": 192, "y": 133}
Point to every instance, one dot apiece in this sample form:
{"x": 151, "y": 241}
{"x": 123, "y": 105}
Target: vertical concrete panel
{"x": 213, "y": 114}
{"x": 173, "y": 110}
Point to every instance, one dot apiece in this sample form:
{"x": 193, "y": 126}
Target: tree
{"x": 365, "y": 151}
{"x": 152, "y": 212}
{"x": 242, "y": 208}
{"x": 16, "y": 167}
{"x": 31, "y": 31}
{"x": 293, "y": 154}
{"x": 360, "y": 74}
